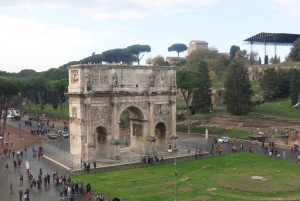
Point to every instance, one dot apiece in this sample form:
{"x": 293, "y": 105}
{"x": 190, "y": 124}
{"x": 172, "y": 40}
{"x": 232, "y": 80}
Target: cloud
{"x": 112, "y": 9}
{"x": 27, "y": 42}
{"x": 291, "y": 7}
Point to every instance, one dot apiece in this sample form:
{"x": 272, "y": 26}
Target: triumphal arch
{"x": 98, "y": 94}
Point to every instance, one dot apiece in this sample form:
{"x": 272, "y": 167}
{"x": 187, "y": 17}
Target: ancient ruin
{"x": 98, "y": 94}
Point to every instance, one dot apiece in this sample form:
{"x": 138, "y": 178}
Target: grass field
{"x": 282, "y": 106}
{"x": 233, "y": 133}
{"x": 230, "y": 176}
{"x": 49, "y": 111}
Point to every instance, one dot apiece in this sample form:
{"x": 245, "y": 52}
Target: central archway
{"x": 137, "y": 126}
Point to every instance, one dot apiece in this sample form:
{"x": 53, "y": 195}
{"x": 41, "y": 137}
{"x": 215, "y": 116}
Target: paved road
{"x": 206, "y": 145}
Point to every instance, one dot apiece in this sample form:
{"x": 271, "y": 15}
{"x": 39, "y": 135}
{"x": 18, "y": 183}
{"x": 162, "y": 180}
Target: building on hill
{"x": 172, "y": 60}
{"x": 196, "y": 45}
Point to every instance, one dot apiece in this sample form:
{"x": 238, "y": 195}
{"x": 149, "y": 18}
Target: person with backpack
{"x": 101, "y": 197}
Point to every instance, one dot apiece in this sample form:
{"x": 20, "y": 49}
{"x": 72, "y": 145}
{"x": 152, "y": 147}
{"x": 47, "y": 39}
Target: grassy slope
{"x": 221, "y": 79}
{"x": 234, "y": 171}
{"x": 282, "y": 106}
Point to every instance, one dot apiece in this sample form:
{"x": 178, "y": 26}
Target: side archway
{"x": 160, "y": 133}
{"x": 101, "y": 137}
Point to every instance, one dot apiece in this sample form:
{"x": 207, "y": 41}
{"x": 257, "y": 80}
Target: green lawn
{"x": 230, "y": 176}
{"x": 282, "y": 106}
{"x": 49, "y": 111}
{"x": 232, "y": 133}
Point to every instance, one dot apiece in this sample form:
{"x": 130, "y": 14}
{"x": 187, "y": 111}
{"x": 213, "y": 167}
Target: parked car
{"x": 223, "y": 139}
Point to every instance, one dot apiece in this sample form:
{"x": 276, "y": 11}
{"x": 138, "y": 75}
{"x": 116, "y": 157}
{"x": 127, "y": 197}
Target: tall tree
{"x": 238, "y": 89}
{"x": 202, "y": 93}
{"x": 233, "y": 50}
{"x": 283, "y": 82}
{"x": 59, "y": 87}
{"x": 196, "y": 56}
{"x": 138, "y": 51}
{"x": 149, "y": 61}
{"x": 186, "y": 81}
{"x": 178, "y": 47}
{"x": 159, "y": 61}
{"x": 269, "y": 85}
{"x": 38, "y": 85}
{"x": 294, "y": 87}
{"x": 10, "y": 87}
{"x": 295, "y": 51}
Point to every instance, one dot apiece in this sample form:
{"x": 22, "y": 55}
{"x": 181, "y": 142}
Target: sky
{"x": 44, "y": 34}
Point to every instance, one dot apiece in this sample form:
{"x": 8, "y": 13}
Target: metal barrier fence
{"x": 61, "y": 157}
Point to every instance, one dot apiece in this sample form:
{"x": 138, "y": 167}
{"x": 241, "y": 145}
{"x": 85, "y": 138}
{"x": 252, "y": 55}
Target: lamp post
{"x": 174, "y": 138}
{"x": 10, "y": 184}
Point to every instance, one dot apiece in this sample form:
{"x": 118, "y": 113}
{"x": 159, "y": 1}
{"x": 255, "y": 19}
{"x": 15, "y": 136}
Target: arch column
{"x": 89, "y": 145}
{"x": 151, "y": 119}
{"x": 115, "y": 129}
{"x": 173, "y": 116}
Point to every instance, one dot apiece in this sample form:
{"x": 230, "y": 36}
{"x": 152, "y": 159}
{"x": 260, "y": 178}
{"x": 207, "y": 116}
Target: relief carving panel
{"x": 74, "y": 76}
{"x": 101, "y": 115}
{"x": 137, "y": 130}
{"x": 74, "y": 112}
{"x": 103, "y": 77}
{"x": 95, "y": 76}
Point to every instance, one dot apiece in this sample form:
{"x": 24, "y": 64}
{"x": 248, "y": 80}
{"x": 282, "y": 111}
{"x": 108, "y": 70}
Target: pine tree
{"x": 54, "y": 100}
{"x": 269, "y": 84}
{"x": 202, "y": 94}
{"x": 294, "y": 87}
{"x": 238, "y": 89}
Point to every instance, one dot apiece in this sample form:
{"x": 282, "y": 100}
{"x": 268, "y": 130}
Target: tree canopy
{"x": 158, "y": 61}
{"x": 187, "y": 80}
{"x": 196, "y": 56}
{"x": 178, "y": 47}
{"x": 138, "y": 51}
{"x": 233, "y": 50}
{"x": 295, "y": 51}
{"x": 238, "y": 89}
{"x": 202, "y": 93}
{"x": 294, "y": 87}
{"x": 268, "y": 84}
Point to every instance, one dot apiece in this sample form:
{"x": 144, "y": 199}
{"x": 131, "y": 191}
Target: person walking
{"x": 6, "y": 168}
{"x": 20, "y": 194}
{"x": 7, "y": 135}
{"x": 21, "y": 177}
{"x": 89, "y": 196}
{"x": 242, "y": 147}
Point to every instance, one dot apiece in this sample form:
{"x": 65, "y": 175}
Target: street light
{"x": 10, "y": 184}
{"x": 174, "y": 138}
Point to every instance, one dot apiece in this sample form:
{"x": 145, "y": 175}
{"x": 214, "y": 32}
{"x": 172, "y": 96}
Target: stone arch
{"x": 101, "y": 137}
{"x": 140, "y": 111}
{"x": 160, "y": 132}
{"x": 138, "y": 125}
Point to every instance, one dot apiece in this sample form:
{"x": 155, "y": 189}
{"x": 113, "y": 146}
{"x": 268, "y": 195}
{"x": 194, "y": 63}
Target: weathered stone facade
{"x": 98, "y": 94}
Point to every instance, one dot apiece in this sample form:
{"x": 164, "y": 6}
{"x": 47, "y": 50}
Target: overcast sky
{"x": 43, "y": 34}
